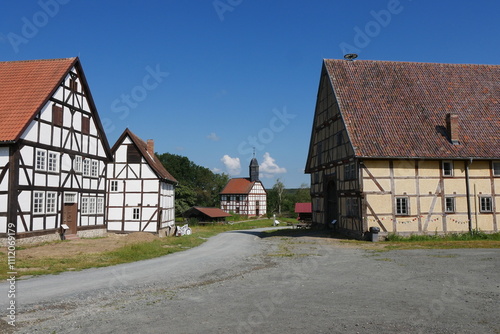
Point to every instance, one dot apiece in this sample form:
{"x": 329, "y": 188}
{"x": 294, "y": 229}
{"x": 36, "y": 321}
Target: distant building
{"x": 140, "y": 190}
{"x": 406, "y": 147}
{"x": 245, "y": 196}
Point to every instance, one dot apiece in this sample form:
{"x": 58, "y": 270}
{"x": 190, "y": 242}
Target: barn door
{"x": 331, "y": 205}
{"x": 70, "y": 211}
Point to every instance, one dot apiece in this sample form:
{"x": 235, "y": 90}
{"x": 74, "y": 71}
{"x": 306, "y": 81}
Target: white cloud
{"x": 233, "y": 165}
{"x": 268, "y": 168}
{"x": 213, "y": 136}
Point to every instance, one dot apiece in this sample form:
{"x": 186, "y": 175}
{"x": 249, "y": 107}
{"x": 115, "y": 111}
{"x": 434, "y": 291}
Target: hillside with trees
{"x": 198, "y": 186}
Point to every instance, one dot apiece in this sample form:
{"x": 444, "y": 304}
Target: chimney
{"x": 452, "y": 128}
{"x": 151, "y": 147}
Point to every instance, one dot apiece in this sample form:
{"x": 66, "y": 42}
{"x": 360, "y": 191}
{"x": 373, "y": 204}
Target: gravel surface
{"x": 239, "y": 282}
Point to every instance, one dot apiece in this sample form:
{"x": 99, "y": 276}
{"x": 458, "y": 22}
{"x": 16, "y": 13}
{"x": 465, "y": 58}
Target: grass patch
{"x": 476, "y": 239}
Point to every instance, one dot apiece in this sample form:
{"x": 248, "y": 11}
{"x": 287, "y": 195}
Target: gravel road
{"x": 240, "y": 282}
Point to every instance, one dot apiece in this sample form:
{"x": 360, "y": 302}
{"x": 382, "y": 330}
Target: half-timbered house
{"x": 140, "y": 189}
{"x": 406, "y": 147}
{"x": 245, "y": 196}
{"x": 53, "y": 151}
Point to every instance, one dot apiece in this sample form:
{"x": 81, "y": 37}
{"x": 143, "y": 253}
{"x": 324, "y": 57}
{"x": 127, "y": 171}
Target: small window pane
{"x": 447, "y": 168}
{"x": 496, "y": 168}
{"x": 41, "y": 160}
{"x": 486, "y": 204}
{"x": 401, "y": 206}
{"x": 450, "y": 204}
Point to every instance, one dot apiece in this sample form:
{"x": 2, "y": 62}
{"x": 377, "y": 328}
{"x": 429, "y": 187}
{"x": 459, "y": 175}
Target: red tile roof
{"x": 25, "y": 87}
{"x": 398, "y": 109}
{"x": 303, "y": 207}
{"x": 152, "y": 159}
{"x": 238, "y": 186}
{"x": 212, "y": 212}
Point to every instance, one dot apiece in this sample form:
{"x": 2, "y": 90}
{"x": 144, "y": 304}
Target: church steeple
{"x": 254, "y": 169}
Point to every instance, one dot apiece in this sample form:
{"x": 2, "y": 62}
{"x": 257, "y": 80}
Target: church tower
{"x": 254, "y": 170}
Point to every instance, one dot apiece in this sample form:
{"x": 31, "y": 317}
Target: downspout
{"x": 467, "y": 191}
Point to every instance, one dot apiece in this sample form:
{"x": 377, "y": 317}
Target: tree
{"x": 278, "y": 189}
{"x": 198, "y": 186}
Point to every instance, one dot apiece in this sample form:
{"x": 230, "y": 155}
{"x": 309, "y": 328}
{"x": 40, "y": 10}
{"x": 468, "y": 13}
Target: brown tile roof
{"x": 238, "y": 186}
{"x": 151, "y": 159}
{"x": 25, "y": 87}
{"x": 398, "y": 109}
{"x": 212, "y": 212}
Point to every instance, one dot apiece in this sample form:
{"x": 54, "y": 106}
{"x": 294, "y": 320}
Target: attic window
{"x": 85, "y": 125}
{"x": 57, "y": 115}
{"x": 73, "y": 85}
{"x": 133, "y": 155}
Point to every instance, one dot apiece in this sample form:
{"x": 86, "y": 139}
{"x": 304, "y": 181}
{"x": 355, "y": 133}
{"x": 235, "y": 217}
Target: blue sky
{"x": 210, "y": 80}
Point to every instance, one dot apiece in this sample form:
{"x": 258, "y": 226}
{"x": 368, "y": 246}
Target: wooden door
{"x": 70, "y": 216}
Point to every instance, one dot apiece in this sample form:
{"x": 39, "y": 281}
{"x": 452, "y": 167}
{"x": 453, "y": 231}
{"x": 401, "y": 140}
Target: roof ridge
{"x": 408, "y": 62}
{"x": 37, "y": 60}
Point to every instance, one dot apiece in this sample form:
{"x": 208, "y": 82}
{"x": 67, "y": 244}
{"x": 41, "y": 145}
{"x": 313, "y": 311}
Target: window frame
{"x": 113, "y": 186}
{"x": 496, "y": 168}
{"x": 94, "y": 168}
{"x": 42, "y": 154}
{"x": 136, "y": 213}
{"x": 99, "y": 205}
{"x": 453, "y": 204}
{"x": 38, "y": 202}
{"x": 87, "y": 163}
{"x": 53, "y": 162}
{"x": 399, "y": 206}
{"x": 51, "y": 202}
{"x": 485, "y": 204}
{"x": 77, "y": 164}
{"x": 444, "y": 170}
{"x": 84, "y": 206}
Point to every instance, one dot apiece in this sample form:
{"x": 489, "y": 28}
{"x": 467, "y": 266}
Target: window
{"x": 57, "y": 115}
{"x": 100, "y": 205}
{"x": 447, "y": 168}
{"x": 69, "y": 197}
{"x": 77, "y": 164}
{"x": 114, "y": 186}
{"x": 95, "y": 165}
{"x": 73, "y": 85}
{"x": 85, "y": 125}
{"x": 86, "y": 167}
{"x": 350, "y": 171}
{"x": 486, "y": 204}
{"x": 496, "y": 169}
{"x": 85, "y": 206}
{"x": 38, "y": 202}
{"x": 402, "y": 206}
{"x": 92, "y": 205}
{"x": 352, "y": 207}
{"x": 53, "y": 162}
{"x": 237, "y": 198}
{"x": 136, "y": 213}
{"x": 41, "y": 160}
{"x": 449, "y": 204}
{"x": 133, "y": 155}
{"x": 51, "y": 202}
